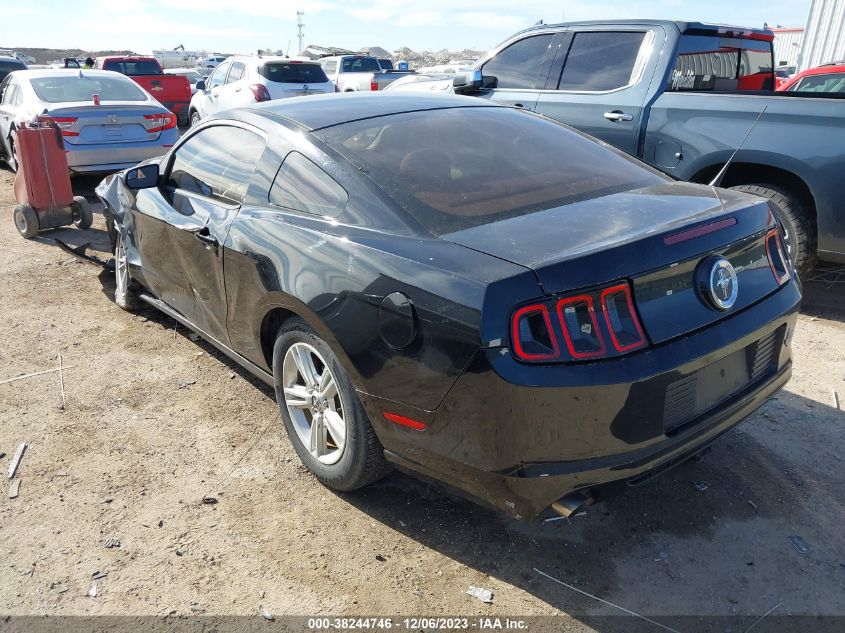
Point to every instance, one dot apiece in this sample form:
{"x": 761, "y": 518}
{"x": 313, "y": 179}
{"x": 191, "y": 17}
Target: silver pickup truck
{"x": 353, "y": 73}
{"x": 682, "y": 96}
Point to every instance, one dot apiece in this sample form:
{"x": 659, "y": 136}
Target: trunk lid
{"x": 654, "y": 237}
{"x": 108, "y": 122}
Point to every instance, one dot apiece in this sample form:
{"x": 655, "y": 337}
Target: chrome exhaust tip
{"x": 572, "y": 504}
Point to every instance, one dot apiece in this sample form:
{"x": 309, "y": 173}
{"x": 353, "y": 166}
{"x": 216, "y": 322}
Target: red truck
{"x": 171, "y": 91}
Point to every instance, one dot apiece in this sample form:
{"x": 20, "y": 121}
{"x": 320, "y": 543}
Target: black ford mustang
{"x": 471, "y": 292}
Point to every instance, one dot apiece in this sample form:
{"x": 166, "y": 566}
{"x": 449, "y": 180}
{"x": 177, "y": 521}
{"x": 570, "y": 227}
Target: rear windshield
{"x": 134, "y": 68}
{"x": 360, "y": 65}
{"x": 458, "y": 168}
{"x": 7, "y": 66}
{"x": 706, "y": 63}
{"x": 290, "y": 73}
{"x": 60, "y": 89}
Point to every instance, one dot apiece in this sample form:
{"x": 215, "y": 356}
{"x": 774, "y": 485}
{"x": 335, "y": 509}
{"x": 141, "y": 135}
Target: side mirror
{"x": 143, "y": 177}
{"x": 467, "y": 82}
{"x": 200, "y": 85}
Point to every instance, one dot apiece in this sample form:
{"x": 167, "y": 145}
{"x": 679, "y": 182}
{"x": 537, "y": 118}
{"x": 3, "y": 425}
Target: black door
{"x": 183, "y": 225}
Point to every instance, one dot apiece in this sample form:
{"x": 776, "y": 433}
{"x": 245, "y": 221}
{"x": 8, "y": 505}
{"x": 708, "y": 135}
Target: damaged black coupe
{"x": 469, "y": 291}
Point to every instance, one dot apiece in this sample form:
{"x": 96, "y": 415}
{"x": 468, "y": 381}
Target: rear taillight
{"x": 373, "y": 84}
{"x": 776, "y": 252}
{"x": 65, "y": 123}
{"x": 583, "y": 322}
{"x": 260, "y": 92}
{"x": 532, "y": 334}
{"x": 159, "y": 122}
{"x": 617, "y": 306}
{"x": 581, "y": 331}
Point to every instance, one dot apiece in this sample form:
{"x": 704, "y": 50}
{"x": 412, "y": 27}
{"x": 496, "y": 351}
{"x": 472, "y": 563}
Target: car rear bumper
{"x": 520, "y": 438}
{"x": 108, "y": 157}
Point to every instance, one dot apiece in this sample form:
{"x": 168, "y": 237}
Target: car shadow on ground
{"x": 697, "y": 540}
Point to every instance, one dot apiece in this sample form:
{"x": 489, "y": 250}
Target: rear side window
{"x": 217, "y": 163}
{"x": 331, "y": 66}
{"x": 457, "y": 168}
{"x": 360, "y": 65}
{"x": 302, "y": 186}
{"x": 290, "y": 73}
{"x": 11, "y": 94}
{"x": 236, "y": 73}
{"x": 601, "y": 61}
{"x": 518, "y": 65}
{"x": 133, "y": 68}
{"x": 707, "y": 63}
{"x": 834, "y": 82}
{"x": 62, "y": 88}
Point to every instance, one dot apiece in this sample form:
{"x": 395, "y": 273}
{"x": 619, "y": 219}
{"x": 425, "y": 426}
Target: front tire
{"x": 194, "y": 118}
{"x": 83, "y": 217}
{"x": 799, "y": 233}
{"x": 322, "y": 414}
{"x": 124, "y": 291}
{"x": 26, "y": 221}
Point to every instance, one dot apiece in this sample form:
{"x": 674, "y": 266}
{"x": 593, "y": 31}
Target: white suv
{"x": 244, "y": 80}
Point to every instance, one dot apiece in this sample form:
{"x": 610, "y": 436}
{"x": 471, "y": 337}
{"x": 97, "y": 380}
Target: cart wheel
{"x": 26, "y": 221}
{"x": 83, "y": 217}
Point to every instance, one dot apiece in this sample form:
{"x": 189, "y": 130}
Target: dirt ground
{"x": 154, "y": 421}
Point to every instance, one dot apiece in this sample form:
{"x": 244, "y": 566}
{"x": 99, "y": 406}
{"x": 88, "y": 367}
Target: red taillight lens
{"x": 776, "y": 252}
{"x": 374, "y": 84}
{"x": 622, "y": 322}
{"x": 532, "y": 334}
{"x": 159, "y": 122}
{"x": 260, "y": 92}
{"x": 585, "y": 321}
{"x": 65, "y": 123}
{"x": 580, "y": 328}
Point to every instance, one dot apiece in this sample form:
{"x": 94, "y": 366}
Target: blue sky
{"x": 245, "y": 25}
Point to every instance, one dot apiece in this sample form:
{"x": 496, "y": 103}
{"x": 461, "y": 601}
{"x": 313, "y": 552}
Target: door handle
{"x": 617, "y": 115}
{"x": 238, "y": 89}
{"x": 205, "y": 236}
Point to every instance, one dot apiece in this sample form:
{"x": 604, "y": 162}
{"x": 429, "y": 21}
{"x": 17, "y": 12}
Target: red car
{"x": 826, "y": 78}
{"x": 171, "y": 91}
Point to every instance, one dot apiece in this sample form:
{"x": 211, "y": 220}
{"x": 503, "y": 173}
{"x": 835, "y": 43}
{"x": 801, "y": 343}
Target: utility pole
{"x": 299, "y": 27}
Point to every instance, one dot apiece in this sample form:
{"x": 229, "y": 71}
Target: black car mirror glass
{"x": 142, "y": 177}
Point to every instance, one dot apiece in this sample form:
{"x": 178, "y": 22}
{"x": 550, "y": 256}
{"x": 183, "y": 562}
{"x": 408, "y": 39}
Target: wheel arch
{"x": 757, "y": 173}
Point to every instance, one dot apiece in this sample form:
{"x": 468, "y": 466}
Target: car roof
{"x": 320, "y": 111}
{"x": 683, "y": 26}
{"x": 59, "y": 72}
{"x": 830, "y": 69}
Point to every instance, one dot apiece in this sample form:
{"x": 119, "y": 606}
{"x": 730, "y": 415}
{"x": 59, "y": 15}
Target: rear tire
{"x": 12, "y": 160}
{"x": 361, "y": 460}
{"x": 83, "y": 217}
{"x": 26, "y": 221}
{"x": 799, "y": 231}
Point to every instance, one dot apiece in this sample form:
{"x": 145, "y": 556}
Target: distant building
{"x": 787, "y": 46}
{"x": 824, "y": 37}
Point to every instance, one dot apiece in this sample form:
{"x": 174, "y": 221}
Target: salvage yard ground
{"x": 155, "y": 421}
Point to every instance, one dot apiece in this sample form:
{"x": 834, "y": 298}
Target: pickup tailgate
{"x": 166, "y": 89}
{"x": 654, "y": 237}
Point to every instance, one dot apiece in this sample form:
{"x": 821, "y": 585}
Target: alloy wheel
{"x": 314, "y": 404}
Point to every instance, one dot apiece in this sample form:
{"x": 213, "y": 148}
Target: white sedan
{"x": 244, "y": 80}
{"x": 107, "y": 121}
